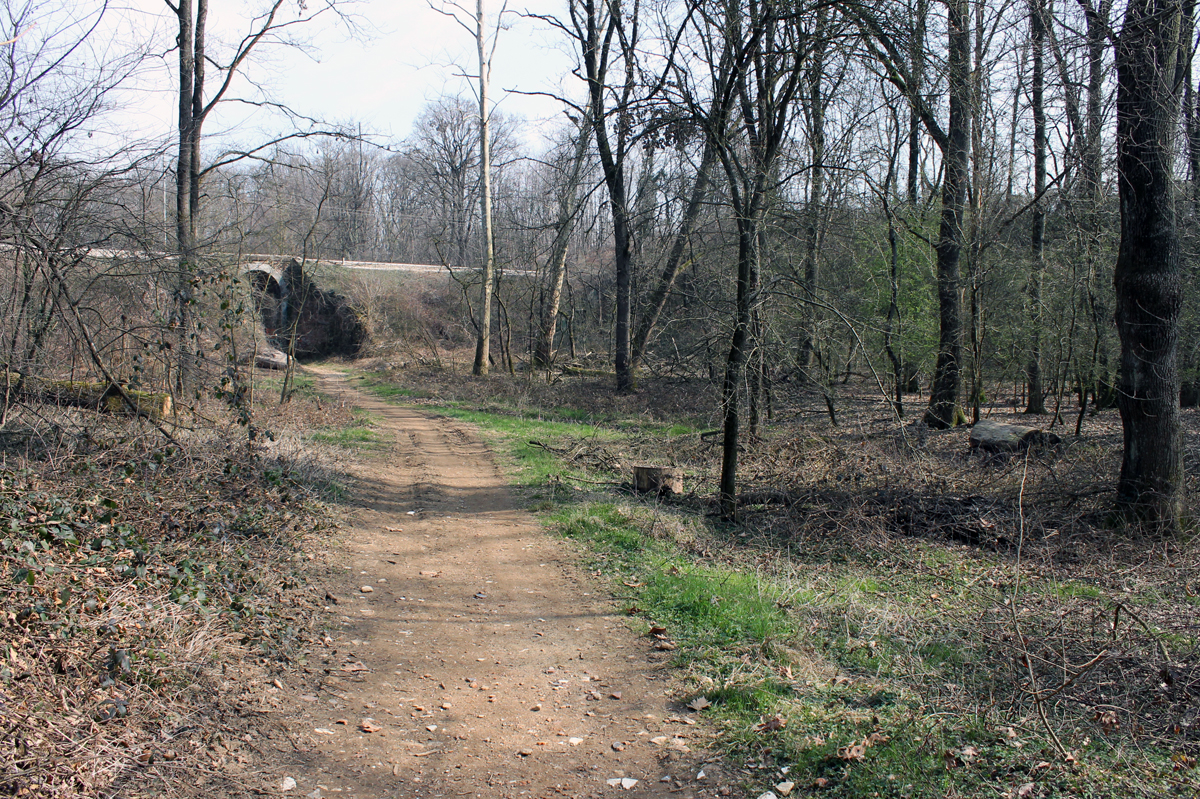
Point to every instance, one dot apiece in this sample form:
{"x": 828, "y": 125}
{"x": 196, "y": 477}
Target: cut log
{"x": 990, "y": 436}
{"x": 96, "y": 395}
{"x": 658, "y": 479}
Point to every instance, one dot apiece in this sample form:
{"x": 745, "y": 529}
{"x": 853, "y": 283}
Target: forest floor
{"x": 410, "y": 582}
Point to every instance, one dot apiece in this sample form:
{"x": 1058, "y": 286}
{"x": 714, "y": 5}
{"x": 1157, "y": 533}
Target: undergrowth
{"x": 140, "y": 577}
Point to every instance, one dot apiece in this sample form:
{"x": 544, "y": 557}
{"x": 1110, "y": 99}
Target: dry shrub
{"x": 152, "y": 591}
{"x": 417, "y": 315}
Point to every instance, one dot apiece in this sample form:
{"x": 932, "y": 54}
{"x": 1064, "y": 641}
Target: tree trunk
{"x": 1037, "y": 227}
{"x": 814, "y": 210}
{"x": 596, "y": 42}
{"x": 917, "y": 67}
{"x": 943, "y": 409}
{"x": 674, "y": 264}
{"x": 1103, "y": 393}
{"x": 484, "y": 337}
{"x": 568, "y": 210}
{"x": 734, "y": 364}
{"x": 1151, "y": 54}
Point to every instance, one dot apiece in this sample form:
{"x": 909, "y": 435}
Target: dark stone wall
{"x": 322, "y": 322}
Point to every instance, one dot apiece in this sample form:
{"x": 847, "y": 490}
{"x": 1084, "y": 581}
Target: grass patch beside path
{"x": 864, "y": 665}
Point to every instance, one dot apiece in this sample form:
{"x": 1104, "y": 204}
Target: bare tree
{"x": 1037, "y": 222}
{"x": 195, "y": 57}
{"x": 954, "y": 142}
{"x": 484, "y": 336}
{"x": 572, "y": 172}
{"x": 758, "y": 53}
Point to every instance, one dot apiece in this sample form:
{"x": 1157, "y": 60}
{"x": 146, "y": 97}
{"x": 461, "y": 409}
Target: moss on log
{"x": 95, "y": 395}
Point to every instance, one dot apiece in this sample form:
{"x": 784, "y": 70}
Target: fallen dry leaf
{"x": 699, "y": 703}
{"x": 1108, "y": 721}
{"x": 853, "y": 752}
{"x": 369, "y": 725}
{"x": 772, "y": 724}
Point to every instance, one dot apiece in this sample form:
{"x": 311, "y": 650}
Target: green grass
{"x": 534, "y": 465}
{"x": 358, "y": 435}
{"x": 302, "y": 384}
{"x": 349, "y": 437}
{"x": 1074, "y": 589}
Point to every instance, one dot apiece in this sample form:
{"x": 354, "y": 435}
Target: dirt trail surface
{"x": 472, "y": 658}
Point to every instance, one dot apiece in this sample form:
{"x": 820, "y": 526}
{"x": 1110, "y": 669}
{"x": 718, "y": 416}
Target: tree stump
{"x": 661, "y": 480}
{"x": 989, "y": 436}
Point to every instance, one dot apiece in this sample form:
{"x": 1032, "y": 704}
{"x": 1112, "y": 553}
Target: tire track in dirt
{"x": 481, "y": 662}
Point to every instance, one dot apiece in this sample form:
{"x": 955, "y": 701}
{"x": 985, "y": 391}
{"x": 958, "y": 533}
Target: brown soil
{"x": 470, "y": 658}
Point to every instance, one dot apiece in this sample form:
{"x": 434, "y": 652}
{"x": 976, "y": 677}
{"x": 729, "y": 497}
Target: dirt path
{"x": 473, "y": 659}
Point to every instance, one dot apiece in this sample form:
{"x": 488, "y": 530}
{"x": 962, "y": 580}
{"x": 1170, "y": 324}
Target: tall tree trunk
{"x": 568, "y": 211}
{"x": 735, "y": 362}
{"x": 1104, "y": 395}
{"x": 975, "y": 198}
{"x": 814, "y": 210}
{"x": 891, "y": 327}
{"x": 484, "y": 338}
{"x": 1037, "y": 227}
{"x": 916, "y": 54}
{"x": 596, "y": 43}
{"x": 1151, "y": 54}
{"x": 187, "y": 184}
{"x": 184, "y": 232}
{"x": 943, "y": 409}
{"x": 674, "y": 263}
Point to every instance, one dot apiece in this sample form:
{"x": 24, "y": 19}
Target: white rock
{"x": 288, "y": 784}
{"x": 366, "y": 589}
{"x": 623, "y": 782}
{"x": 768, "y": 795}
{"x": 785, "y": 787}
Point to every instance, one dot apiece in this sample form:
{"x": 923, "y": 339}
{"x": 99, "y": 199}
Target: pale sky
{"x": 403, "y": 55}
